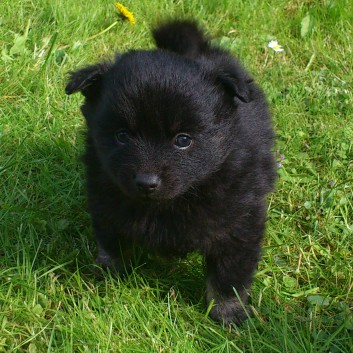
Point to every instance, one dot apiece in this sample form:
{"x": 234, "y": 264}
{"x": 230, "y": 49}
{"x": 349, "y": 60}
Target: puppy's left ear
{"x": 237, "y": 86}
{"x": 87, "y": 80}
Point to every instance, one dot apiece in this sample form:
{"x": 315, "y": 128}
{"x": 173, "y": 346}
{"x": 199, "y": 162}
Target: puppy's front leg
{"x": 107, "y": 261}
{"x": 112, "y": 255}
{"x": 231, "y": 272}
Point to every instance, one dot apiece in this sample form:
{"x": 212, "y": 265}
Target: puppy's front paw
{"x": 107, "y": 262}
{"x": 228, "y": 308}
{"x": 229, "y": 311}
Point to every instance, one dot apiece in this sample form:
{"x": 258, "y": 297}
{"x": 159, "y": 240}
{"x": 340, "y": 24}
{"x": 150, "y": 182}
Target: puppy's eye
{"x": 122, "y": 137}
{"x": 183, "y": 141}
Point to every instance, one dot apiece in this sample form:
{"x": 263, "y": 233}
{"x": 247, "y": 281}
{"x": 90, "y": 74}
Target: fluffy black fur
{"x": 178, "y": 159}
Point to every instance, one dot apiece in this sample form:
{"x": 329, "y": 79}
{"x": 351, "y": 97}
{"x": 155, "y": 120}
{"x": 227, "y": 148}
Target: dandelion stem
{"x": 102, "y": 32}
{"x": 94, "y": 36}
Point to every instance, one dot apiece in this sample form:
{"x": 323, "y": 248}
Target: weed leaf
{"x": 5, "y": 57}
{"x": 318, "y": 300}
{"x": 307, "y": 25}
{"x": 19, "y": 45}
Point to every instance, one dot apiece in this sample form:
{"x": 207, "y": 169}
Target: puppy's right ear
{"x": 87, "y": 80}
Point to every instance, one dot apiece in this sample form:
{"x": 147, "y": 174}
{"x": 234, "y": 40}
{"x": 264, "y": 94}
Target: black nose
{"x": 147, "y": 183}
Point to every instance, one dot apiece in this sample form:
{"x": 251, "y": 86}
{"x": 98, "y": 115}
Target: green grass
{"x": 51, "y": 297}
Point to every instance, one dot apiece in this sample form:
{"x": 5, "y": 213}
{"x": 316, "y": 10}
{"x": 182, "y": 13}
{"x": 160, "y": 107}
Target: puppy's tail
{"x": 181, "y": 36}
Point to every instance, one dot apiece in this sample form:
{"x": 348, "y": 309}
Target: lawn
{"x": 54, "y": 299}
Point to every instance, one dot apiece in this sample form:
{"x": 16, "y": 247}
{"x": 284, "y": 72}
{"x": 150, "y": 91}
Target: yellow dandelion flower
{"x": 125, "y": 13}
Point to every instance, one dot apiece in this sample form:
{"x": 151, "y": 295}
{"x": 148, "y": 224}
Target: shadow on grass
{"x": 45, "y": 216}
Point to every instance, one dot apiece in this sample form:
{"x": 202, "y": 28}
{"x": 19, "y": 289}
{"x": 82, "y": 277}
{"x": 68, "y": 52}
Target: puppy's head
{"x": 160, "y": 124}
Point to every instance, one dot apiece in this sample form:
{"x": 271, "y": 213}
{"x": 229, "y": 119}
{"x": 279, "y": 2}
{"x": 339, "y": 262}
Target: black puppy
{"x": 178, "y": 159}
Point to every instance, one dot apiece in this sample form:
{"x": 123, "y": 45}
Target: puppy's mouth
{"x": 147, "y": 198}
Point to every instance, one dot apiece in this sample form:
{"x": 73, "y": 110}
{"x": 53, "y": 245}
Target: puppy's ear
{"x": 87, "y": 80}
{"x": 237, "y": 86}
